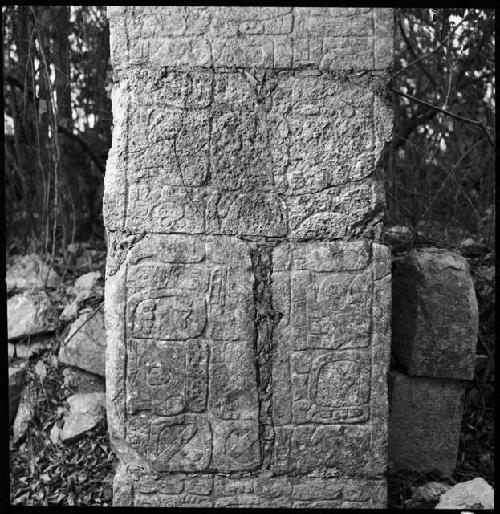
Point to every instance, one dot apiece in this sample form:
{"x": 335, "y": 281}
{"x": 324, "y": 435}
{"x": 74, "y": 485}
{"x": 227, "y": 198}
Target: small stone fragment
{"x": 29, "y": 271}
{"x": 41, "y": 370}
{"x": 55, "y": 434}
{"x": 85, "y": 412}
{"x": 30, "y": 313}
{"x": 25, "y": 413}
{"x": 474, "y": 494}
{"x": 87, "y": 281}
{"x": 70, "y": 311}
{"x": 85, "y": 344}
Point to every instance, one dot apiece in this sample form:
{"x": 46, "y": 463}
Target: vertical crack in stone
{"x": 265, "y": 321}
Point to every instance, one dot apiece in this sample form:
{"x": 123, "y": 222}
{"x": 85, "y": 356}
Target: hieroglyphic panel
{"x": 266, "y": 37}
{"x": 190, "y": 374}
{"x": 326, "y": 405}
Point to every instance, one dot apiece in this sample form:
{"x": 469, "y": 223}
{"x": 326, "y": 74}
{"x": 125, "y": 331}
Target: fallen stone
{"x": 474, "y": 494}
{"x": 25, "y": 413}
{"x": 87, "y": 281}
{"x": 41, "y": 370}
{"x": 82, "y": 382}
{"x": 55, "y": 434}
{"x": 85, "y": 412}
{"x": 435, "y": 314}
{"x": 427, "y": 495}
{"x": 85, "y": 344}
{"x": 29, "y": 271}
{"x": 30, "y": 313}
{"x": 70, "y": 312}
{"x": 424, "y": 423}
{"x": 16, "y": 383}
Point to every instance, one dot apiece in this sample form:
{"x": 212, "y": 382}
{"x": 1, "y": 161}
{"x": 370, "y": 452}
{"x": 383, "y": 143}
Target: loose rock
{"x": 29, "y": 271}
{"x": 474, "y": 494}
{"x": 25, "y": 413}
{"x": 85, "y": 412}
{"x": 85, "y": 344}
{"x": 87, "y": 281}
{"x": 30, "y": 313}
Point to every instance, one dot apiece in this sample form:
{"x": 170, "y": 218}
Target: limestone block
{"x": 473, "y": 494}
{"x": 29, "y": 271}
{"x": 30, "y": 313}
{"x": 85, "y": 411}
{"x": 435, "y": 314}
{"x": 195, "y": 151}
{"x": 85, "y": 344}
{"x": 275, "y": 38}
{"x": 424, "y": 423}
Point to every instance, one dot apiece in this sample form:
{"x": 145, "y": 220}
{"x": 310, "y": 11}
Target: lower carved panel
{"x": 179, "y": 490}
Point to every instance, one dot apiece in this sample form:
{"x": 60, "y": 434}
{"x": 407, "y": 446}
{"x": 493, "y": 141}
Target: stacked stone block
{"x": 247, "y": 296}
{"x": 435, "y": 330}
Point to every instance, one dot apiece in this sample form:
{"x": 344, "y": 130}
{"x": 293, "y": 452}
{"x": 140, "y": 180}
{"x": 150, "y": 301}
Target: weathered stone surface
{"x": 331, "y": 347}
{"x": 84, "y": 346}
{"x": 178, "y": 490}
{"x": 435, "y": 314}
{"x": 29, "y": 271}
{"x": 247, "y": 300}
{"x": 474, "y": 494}
{"x": 85, "y": 411}
{"x": 16, "y": 383}
{"x": 273, "y": 38}
{"x": 87, "y": 281}
{"x": 25, "y": 413}
{"x": 82, "y": 382}
{"x": 427, "y": 495}
{"x": 424, "y": 423}
{"x": 30, "y": 313}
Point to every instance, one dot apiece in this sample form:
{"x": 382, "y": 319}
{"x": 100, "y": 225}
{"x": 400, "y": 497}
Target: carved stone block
{"x": 247, "y": 297}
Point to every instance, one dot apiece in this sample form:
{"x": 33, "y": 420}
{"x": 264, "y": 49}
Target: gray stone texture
{"x": 473, "y": 494}
{"x": 30, "y": 313}
{"x": 435, "y": 314}
{"x": 247, "y": 299}
{"x": 424, "y": 423}
{"x": 85, "y": 344}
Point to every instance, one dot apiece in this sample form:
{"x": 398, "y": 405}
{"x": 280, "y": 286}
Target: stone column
{"x": 247, "y": 295}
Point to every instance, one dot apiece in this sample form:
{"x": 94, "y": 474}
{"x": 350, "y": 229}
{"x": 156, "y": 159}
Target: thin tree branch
{"x": 425, "y": 56}
{"x": 448, "y": 113}
{"x": 412, "y": 51}
{"x": 60, "y": 128}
